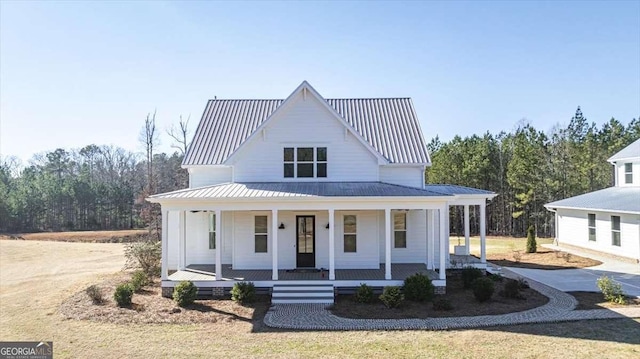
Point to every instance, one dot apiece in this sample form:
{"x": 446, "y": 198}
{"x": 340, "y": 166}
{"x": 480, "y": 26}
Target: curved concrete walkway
{"x": 559, "y": 308}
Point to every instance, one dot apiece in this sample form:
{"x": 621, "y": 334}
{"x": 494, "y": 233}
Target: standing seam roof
{"x": 389, "y": 125}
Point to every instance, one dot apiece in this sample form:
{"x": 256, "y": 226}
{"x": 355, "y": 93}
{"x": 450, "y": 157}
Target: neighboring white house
{"x": 307, "y": 193}
{"x": 607, "y": 220}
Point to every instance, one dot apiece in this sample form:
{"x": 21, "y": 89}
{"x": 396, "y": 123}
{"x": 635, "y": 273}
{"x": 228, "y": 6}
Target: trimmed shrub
{"x": 364, "y": 294}
{"x": 532, "y": 246}
{"x": 611, "y": 290}
{"x": 95, "y": 293}
{"x": 482, "y": 289}
{"x": 185, "y": 293}
{"x": 469, "y": 274}
{"x": 442, "y": 304}
{"x": 392, "y": 297}
{"x": 139, "y": 279}
{"x": 243, "y": 292}
{"x": 123, "y": 294}
{"x": 511, "y": 290}
{"x": 418, "y": 288}
{"x": 522, "y": 283}
{"x": 145, "y": 255}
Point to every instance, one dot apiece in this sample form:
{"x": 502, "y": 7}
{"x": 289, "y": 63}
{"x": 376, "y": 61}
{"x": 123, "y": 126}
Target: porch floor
{"x": 206, "y": 272}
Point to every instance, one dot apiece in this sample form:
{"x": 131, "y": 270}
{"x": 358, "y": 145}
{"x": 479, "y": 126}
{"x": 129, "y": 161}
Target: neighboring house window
{"x": 212, "y": 231}
{"x": 260, "y": 234}
{"x": 350, "y": 230}
{"x": 305, "y": 162}
{"x": 628, "y": 173}
{"x": 615, "y": 230}
{"x": 592, "y": 226}
{"x": 400, "y": 229}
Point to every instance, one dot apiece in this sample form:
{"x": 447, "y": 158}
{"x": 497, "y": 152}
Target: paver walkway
{"x": 559, "y": 308}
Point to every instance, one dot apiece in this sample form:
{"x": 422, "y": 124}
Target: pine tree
{"x": 532, "y": 246}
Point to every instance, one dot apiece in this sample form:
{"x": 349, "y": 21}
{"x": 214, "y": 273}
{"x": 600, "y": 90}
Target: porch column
{"x": 483, "y": 230}
{"x": 164, "y": 274}
{"x": 467, "y": 241}
{"x": 274, "y": 246}
{"x": 388, "y": 225}
{"x": 447, "y": 229}
{"x": 181, "y": 240}
{"x": 332, "y": 246}
{"x": 218, "y": 244}
{"x": 432, "y": 241}
{"x": 443, "y": 248}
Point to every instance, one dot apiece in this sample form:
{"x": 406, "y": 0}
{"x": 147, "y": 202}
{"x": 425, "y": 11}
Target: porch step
{"x": 302, "y": 293}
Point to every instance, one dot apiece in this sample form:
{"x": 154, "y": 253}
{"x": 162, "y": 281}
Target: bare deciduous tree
{"x": 179, "y": 134}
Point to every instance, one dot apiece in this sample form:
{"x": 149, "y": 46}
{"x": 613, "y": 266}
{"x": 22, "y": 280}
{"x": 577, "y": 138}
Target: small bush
{"x": 95, "y": 293}
{"x": 511, "y": 290}
{"x": 145, "y": 255}
{"x": 139, "y": 279}
{"x": 364, "y": 294}
{"x": 517, "y": 256}
{"x": 243, "y": 292}
{"x": 522, "y": 283}
{"x": 418, "y": 288}
{"x": 391, "y": 297}
{"x": 611, "y": 290}
{"x": 185, "y": 293}
{"x": 532, "y": 246}
{"x": 469, "y": 274}
{"x": 442, "y": 304}
{"x": 123, "y": 294}
{"x": 483, "y": 289}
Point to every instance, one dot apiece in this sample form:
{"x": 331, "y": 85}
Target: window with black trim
{"x": 350, "y": 226}
{"x": 400, "y": 229}
{"x": 628, "y": 173}
{"x": 615, "y": 230}
{"x": 592, "y": 226}
{"x": 260, "y": 234}
{"x": 305, "y": 162}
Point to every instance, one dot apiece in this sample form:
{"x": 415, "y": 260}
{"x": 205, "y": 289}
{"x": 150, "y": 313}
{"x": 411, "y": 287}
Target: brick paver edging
{"x": 559, "y": 308}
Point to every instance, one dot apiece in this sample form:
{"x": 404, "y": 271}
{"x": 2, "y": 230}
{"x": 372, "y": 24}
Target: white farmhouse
{"x": 608, "y": 220}
{"x": 307, "y": 195}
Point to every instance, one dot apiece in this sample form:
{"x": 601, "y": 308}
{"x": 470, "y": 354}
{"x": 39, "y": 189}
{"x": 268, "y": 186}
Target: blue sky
{"x": 76, "y": 73}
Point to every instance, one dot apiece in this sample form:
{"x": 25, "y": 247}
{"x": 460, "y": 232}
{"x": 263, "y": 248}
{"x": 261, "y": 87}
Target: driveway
{"x": 567, "y": 280}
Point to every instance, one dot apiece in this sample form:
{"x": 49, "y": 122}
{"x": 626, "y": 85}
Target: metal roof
{"x": 613, "y": 199}
{"x": 298, "y": 189}
{"x": 389, "y": 125}
{"x": 631, "y": 151}
{"x": 452, "y": 189}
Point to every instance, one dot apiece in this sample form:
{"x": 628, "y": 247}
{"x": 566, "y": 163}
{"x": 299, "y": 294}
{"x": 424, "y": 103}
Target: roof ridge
{"x": 327, "y": 99}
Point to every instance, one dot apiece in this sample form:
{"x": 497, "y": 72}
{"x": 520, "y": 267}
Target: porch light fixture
{"x": 281, "y": 225}
{"x": 327, "y": 226}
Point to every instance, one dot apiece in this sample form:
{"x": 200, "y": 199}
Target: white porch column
{"x": 467, "y": 241}
{"x": 429, "y": 238}
{"x": 432, "y": 239}
{"x": 483, "y": 235}
{"x": 274, "y": 246}
{"x": 388, "y": 225}
{"x": 164, "y": 274}
{"x": 447, "y": 235}
{"x": 182, "y": 240}
{"x": 218, "y": 244}
{"x": 332, "y": 246}
{"x": 443, "y": 248}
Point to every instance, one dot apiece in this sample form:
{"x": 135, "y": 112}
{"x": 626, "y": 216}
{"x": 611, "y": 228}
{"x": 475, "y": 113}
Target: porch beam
{"x": 181, "y": 239}
{"x": 165, "y": 245}
{"x": 387, "y": 248}
{"x": 467, "y": 241}
{"x": 443, "y": 249}
{"x": 483, "y": 234}
{"x": 274, "y": 246}
{"x": 332, "y": 246}
{"x": 218, "y": 244}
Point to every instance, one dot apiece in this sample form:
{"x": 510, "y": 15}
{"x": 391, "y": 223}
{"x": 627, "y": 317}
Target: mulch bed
{"x": 463, "y": 301}
{"x": 595, "y": 300}
{"x": 543, "y": 259}
{"x": 150, "y": 307}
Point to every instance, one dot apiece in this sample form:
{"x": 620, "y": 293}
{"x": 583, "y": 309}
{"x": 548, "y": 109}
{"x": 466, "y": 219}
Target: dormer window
{"x": 305, "y": 162}
{"x": 628, "y": 173}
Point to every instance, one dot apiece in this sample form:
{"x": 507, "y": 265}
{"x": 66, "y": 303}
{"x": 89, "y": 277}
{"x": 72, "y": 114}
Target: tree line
{"x": 528, "y": 168}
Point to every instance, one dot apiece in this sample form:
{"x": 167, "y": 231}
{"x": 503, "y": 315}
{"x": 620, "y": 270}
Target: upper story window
{"x": 628, "y": 173}
{"x": 305, "y": 162}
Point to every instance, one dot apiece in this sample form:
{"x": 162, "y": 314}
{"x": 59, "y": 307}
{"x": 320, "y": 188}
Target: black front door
{"x": 305, "y": 229}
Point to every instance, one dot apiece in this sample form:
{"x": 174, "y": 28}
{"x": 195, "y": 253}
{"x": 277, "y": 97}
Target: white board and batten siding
{"x": 410, "y": 176}
{"x": 304, "y": 124}
{"x": 621, "y": 172}
{"x": 573, "y": 229}
{"x": 209, "y": 175}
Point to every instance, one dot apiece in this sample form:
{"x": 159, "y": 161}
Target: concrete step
{"x": 310, "y": 294}
{"x": 302, "y": 293}
{"x": 301, "y": 301}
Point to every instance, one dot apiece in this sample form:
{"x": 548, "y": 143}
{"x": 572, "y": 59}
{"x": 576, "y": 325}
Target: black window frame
{"x": 400, "y": 242}
{"x": 353, "y": 236}
{"x": 293, "y": 166}
{"x": 628, "y": 173}
{"x": 591, "y": 225}
{"x": 260, "y": 236}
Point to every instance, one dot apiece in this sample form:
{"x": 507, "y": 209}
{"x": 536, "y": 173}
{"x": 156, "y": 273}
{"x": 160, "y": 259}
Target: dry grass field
{"x": 36, "y": 277}
{"x": 81, "y": 236}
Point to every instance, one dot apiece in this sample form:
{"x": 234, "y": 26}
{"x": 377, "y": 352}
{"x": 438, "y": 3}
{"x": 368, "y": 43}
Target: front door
{"x": 305, "y": 229}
